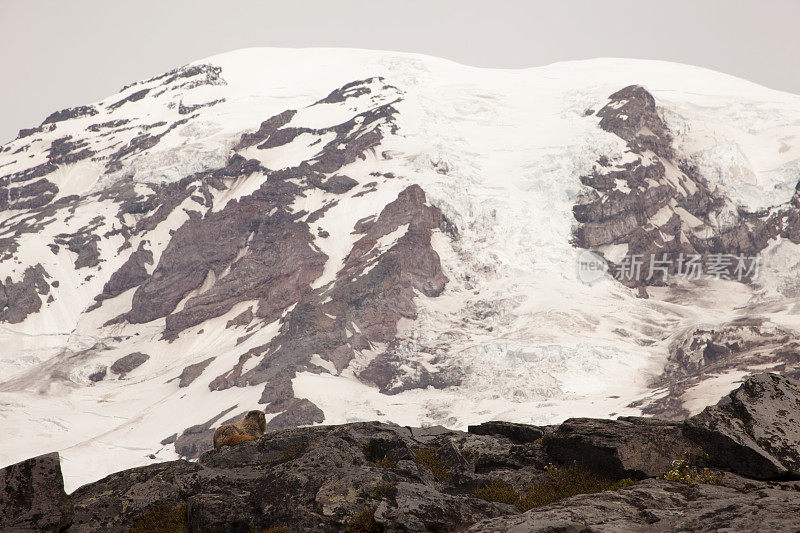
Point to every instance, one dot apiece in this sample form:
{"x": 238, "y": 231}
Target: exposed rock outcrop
{"x": 654, "y": 205}
{"x": 32, "y": 496}
{"x": 129, "y": 363}
{"x": 628, "y": 447}
{"x": 658, "y": 505}
{"x": 755, "y": 430}
{"x": 20, "y": 298}
{"x": 312, "y": 479}
{"x": 521, "y": 433}
{"x": 382, "y": 477}
{"x": 661, "y": 211}
{"x": 131, "y": 274}
{"x": 297, "y": 412}
{"x": 69, "y": 113}
{"x": 192, "y": 372}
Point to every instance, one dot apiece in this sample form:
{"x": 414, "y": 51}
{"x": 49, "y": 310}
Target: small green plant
{"x": 561, "y": 482}
{"x": 374, "y": 455}
{"x": 684, "y": 472}
{"x": 164, "y": 518}
{"x": 429, "y": 458}
{"x": 497, "y": 490}
{"x": 385, "y": 463}
{"x": 370, "y": 451}
{"x": 278, "y": 529}
{"x": 622, "y": 483}
{"x": 364, "y": 522}
{"x": 291, "y": 453}
{"x": 564, "y": 481}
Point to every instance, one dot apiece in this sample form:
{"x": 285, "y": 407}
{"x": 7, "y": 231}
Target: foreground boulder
{"x": 137, "y": 498}
{"x": 376, "y": 477}
{"x": 630, "y": 447}
{"x": 521, "y": 433}
{"x": 32, "y": 496}
{"x": 658, "y": 505}
{"x": 755, "y": 430}
{"x": 324, "y": 478}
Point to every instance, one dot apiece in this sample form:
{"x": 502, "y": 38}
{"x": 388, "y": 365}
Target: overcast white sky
{"x": 58, "y": 54}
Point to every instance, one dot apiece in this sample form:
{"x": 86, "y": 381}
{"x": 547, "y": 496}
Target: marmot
{"x": 252, "y": 425}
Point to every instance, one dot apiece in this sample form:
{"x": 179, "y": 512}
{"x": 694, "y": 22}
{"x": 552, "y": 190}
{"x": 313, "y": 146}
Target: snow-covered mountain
{"x": 343, "y": 235}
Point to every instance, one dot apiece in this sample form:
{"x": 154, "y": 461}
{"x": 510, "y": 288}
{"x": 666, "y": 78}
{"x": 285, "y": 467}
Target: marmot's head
{"x": 257, "y": 418}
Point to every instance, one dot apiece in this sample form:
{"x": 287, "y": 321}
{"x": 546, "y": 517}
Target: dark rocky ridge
{"x": 622, "y": 200}
{"x": 664, "y": 211}
{"x": 391, "y": 478}
{"x": 32, "y": 188}
{"x": 20, "y": 298}
{"x": 755, "y": 430}
{"x": 254, "y": 248}
{"x": 32, "y": 496}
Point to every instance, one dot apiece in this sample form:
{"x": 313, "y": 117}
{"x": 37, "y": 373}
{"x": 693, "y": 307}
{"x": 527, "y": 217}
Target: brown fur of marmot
{"x": 252, "y": 425}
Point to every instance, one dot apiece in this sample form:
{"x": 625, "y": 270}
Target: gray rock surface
{"x": 32, "y": 496}
{"x": 132, "y": 273}
{"x": 755, "y": 430}
{"x": 628, "y": 447}
{"x": 308, "y": 479}
{"x": 516, "y": 432}
{"x": 371, "y": 476}
{"x": 298, "y": 412}
{"x": 129, "y": 363}
{"x": 192, "y": 372}
{"x": 658, "y": 505}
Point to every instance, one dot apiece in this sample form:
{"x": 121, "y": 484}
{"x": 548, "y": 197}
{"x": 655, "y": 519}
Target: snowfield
{"x": 499, "y": 152}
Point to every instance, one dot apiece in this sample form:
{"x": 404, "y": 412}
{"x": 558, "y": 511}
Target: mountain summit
{"x": 335, "y": 236}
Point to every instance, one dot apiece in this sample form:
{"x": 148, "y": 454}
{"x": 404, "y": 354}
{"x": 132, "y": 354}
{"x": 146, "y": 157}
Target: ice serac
{"x": 336, "y": 236}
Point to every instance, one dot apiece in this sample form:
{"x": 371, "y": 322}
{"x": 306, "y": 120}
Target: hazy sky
{"x": 58, "y": 54}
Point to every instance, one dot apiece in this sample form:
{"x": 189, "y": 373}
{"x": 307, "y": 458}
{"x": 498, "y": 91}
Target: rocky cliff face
{"x": 660, "y": 219}
{"x": 707, "y": 473}
{"x": 655, "y": 204}
{"x": 341, "y": 237}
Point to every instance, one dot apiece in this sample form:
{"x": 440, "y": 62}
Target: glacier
{"x": 499, "y": 152}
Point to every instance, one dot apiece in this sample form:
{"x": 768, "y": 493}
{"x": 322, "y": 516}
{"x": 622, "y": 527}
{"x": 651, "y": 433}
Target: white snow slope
{"x": 498, "y": 151}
